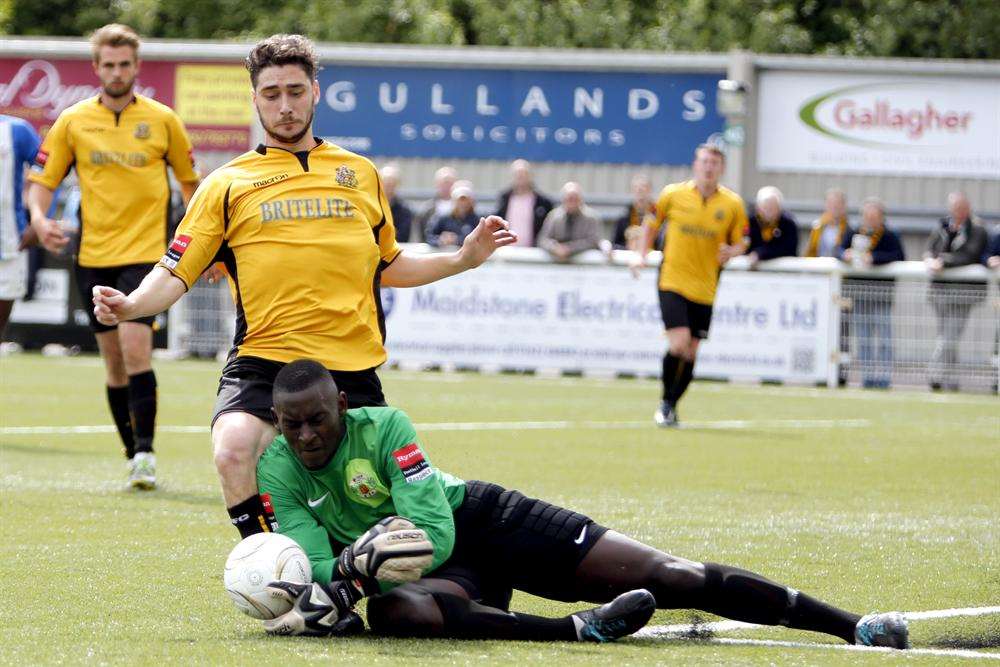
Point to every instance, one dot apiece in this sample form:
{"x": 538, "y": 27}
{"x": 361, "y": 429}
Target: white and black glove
{"x": 392, "y": 551}
{"x": 317, "y": 611}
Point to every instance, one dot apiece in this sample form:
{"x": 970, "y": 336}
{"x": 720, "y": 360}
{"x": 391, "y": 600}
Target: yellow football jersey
{"x": 696, "y": 227}
{"x": 120, "y": 159}
{"x": 304, "y": 237}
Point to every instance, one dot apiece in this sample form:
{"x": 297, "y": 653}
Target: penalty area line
{"x": 726, "y": 424}
{"x": 691, "y": 632}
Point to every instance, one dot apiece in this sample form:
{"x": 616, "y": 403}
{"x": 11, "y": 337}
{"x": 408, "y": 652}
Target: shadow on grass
{"x": 37, "y": 448}
{"x": 985, "y": 640}
{"x": 184, "y": 497}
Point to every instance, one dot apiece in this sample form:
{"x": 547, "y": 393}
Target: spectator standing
{"x": 18, "y": 146}
{"x": 959, "y": 240}
{"x": 451, "y": 228}
{"x": 829, "y": 229}
{"x": 873, "y": 244}
{"x": 773, "y": 231}
{"x": 522, "y": 205}
{"x": 402, "y": 216}
{"x": 439, "y": 204}
{"x": 991, "y": 259}
{"x": 571, "y": 227}
{"x": 629, "y": 227}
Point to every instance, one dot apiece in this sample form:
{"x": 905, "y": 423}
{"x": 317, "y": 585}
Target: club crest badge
{"x": 347, "y": 177}
{"x": 142, "y": 131}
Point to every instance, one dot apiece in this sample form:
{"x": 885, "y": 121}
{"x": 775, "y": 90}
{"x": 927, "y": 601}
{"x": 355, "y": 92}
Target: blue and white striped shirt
{"x": 18, "y": 146}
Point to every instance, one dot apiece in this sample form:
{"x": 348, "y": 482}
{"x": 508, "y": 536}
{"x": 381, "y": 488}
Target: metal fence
{"x": 911, "y": 332}
{"x": 897, "y": 326}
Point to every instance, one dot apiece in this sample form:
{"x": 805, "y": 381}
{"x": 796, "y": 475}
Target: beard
{"x": 118, "y": 90}
{"x": 295, "y": 138}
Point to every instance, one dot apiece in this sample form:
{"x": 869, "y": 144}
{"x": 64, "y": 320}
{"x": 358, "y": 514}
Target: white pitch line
{"x": 684, "y": 631}
{"x": 729, "y": 424}
{"x": 943, "y": 652}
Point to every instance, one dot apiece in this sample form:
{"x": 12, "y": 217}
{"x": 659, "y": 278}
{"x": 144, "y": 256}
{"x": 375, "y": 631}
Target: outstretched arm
{"x": 414, "y": 270}
{"x": 157, "y": 292}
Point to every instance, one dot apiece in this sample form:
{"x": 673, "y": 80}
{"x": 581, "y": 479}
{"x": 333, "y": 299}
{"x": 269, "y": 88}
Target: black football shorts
{"x": 247, "y": 383}
{"x": 122, "y": 278}
{"x": 678, "y": 311}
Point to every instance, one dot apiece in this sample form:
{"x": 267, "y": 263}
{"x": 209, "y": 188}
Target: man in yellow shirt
{"x": 120, "y": 144}
{"x": 706, "y": 223}
{"x": 306, "y": 234}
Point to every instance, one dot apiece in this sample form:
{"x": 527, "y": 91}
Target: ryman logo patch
{"x": 347, "y": 177}
{"x": 175, "y": 251}
{"x": 412, "y": 462}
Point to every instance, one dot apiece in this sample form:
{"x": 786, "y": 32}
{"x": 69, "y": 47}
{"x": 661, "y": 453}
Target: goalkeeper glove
{"x": 393, "y": 551}
{"x": 316, "y": 611}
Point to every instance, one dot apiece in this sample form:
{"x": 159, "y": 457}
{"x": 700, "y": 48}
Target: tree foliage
{"x": 909, "y": 28}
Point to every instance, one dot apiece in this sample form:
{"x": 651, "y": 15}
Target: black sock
{"x": 745, "y": 596}
{"x": 687, "y": 372}
{"x": 464, "y": 619}
{"x": 142, "y": 403}
{"x": 118, "y": 402}
{"x": 671, "y": 372}
{"x": 253, "y": 515}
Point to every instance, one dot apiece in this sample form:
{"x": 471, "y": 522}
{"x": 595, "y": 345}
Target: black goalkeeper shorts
{"x": 247, "y": 383}
{"x": 505, "y": 540}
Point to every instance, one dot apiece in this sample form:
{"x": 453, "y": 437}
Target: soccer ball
{"x": 257, "y": 561}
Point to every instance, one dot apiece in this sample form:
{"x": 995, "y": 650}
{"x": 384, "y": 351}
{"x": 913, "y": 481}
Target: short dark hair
{"x": 710, "y": 148}
{"x": 278, "y": 50}
{"x": 299, "y": 375}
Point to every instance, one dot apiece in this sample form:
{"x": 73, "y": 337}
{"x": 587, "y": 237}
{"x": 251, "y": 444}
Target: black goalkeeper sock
{"x": 745, "y": 596}
{"x": 253, "y": 515}
{"x": 118, "y": 402}
{"x": 671, "y": 373}
{"x": 687, "y": 372}
{"x": 464, "y": 619}
{"x": 142, "y": 403}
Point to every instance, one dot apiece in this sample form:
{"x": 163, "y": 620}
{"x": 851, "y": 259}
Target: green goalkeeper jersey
{"x": 379, "y": 470}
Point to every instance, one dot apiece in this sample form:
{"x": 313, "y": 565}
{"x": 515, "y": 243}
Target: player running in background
{"x": 334, "y": 473}
{"x": 18, "y": 145}
{"x": 120, "y": 144}
{"x": 705, "y": 227}
{"x": 306, "y": 234}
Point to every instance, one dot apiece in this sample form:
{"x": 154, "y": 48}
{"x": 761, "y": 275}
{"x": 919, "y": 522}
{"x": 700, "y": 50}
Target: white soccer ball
{"x": 259, "y": 560}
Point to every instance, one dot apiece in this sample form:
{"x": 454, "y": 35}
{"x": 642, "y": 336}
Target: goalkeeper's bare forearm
{"x": 159, "y": 290}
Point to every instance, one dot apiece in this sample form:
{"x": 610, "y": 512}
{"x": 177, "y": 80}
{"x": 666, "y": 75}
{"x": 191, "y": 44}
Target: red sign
{"x": 39, "y": 90}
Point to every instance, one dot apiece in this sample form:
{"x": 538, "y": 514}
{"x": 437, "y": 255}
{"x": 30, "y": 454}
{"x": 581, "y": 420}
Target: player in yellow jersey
{"x": 705, "y": 228}
{"x": 120, "y": 144}
{"x": 307, "y": 237}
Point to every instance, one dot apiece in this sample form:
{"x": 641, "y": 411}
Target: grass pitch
{"x": 869, "y": 500}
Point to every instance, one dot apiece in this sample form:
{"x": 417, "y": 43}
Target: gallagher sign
{"x": 559, "y": 116}
{"x": 890, "y": 124}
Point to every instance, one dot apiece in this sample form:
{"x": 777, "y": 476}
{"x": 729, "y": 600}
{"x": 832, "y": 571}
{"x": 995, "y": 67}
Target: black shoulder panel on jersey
{"x": 225, "y": 209}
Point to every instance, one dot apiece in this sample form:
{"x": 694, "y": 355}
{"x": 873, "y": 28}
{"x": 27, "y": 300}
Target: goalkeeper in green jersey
{"x": 440, "y": 557}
